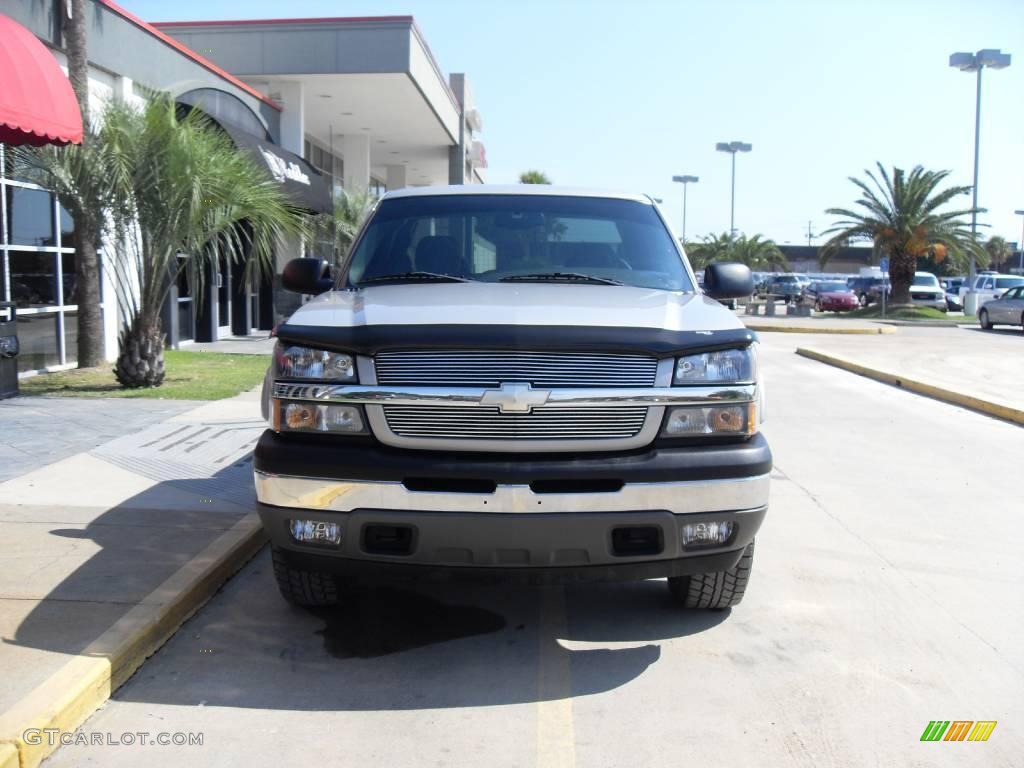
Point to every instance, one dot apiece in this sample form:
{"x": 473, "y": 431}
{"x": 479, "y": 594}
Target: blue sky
{"x": 625, "y": 94}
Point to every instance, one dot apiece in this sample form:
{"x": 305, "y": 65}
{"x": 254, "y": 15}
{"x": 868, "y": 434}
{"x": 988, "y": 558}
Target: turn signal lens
{"x": 685, "y": 421}
{"x": 314, "y": 417}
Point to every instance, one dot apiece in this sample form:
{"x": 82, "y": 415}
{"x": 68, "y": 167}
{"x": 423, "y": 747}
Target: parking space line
{"x": 556, "y": 736}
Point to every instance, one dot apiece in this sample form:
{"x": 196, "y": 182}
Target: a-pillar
{"x": 355, "y": 151}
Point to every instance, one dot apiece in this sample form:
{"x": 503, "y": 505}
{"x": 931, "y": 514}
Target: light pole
{"x": 684, "y": 180}
{"x": 976, "y": 62}
{"x": 732, "y": 147}
{"x": 1020, "y": 245}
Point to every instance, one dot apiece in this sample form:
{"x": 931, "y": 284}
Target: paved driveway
{"x": 886, "y": 593}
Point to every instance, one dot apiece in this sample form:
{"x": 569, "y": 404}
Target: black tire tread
{"x": 718, "y": 590}
{"x": 309, "y": 589}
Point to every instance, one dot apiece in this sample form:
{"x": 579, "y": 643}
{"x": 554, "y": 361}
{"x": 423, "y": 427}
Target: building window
{"x": 37, "y": 272}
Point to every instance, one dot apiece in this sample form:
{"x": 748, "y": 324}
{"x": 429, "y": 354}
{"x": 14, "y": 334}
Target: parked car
{"x": 865, "y": 288}
{"x": 785, "y": 286}
{"x": 925, "y": 291}
{"x": 1008, "y": 309}
{"x": 478, "y": 394}
{"x": 991, "y": 285}
{"x": 830, "y": 296}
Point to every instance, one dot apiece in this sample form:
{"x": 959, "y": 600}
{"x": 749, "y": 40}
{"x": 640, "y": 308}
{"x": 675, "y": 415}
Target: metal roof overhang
{"x": 372, "y": 76}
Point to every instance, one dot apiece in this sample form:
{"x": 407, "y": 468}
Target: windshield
{"x": 787, "y": 279}
{"x": 931, "y": 281}
{"x": 832, "y": 287}
{"x": 518, "y": 237}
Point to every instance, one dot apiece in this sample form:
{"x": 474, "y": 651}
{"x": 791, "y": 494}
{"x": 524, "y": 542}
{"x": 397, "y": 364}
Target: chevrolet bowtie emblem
{"x": 515, "y": 398}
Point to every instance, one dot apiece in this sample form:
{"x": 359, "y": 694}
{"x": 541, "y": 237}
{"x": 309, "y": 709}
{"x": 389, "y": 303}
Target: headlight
{"x": 727, "y": 366}
{"x": 291, "y": 362}
{"x": 711, "y": 420}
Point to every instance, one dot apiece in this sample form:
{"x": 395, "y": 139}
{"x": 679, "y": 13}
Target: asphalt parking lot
{"x": 886, "y": 593}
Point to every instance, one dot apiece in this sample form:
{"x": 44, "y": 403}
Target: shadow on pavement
{"x": 141, "y": 542}
{"x": 435, "y": 646}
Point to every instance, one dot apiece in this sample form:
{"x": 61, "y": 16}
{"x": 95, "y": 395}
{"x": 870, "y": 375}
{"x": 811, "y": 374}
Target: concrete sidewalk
{"x": 980, "y": 364}
{"x": 100, "y": 548}
{"x": 783, "y": 323}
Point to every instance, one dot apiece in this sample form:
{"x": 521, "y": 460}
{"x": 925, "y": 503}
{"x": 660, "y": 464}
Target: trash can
{"x": 8, "y": 350}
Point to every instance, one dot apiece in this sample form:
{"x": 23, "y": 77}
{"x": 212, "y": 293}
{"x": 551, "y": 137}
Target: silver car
{"x": 1008, "y": 309}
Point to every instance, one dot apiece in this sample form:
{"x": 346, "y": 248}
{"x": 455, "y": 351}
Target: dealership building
{"x": 326, "y": 104}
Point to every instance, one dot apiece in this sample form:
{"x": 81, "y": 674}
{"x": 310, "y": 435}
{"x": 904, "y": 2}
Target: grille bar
{"x": 489, "y": 423}
{"x": 491, "y": 369}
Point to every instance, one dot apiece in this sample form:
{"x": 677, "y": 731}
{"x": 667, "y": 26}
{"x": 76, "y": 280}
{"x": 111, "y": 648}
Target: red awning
{"x": 37, "y": 105}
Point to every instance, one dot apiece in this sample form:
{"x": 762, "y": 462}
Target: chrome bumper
{"x": 349, "y": 495}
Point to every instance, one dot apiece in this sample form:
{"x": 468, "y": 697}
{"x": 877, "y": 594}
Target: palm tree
{"x": 534, "y": 177}
{"x": 999, "y": 251}
{"x": 755, "y": 252}
{"x": 188, "y": 198}
{"x": 899, "y": 214}
{"x": 88, "y": 225}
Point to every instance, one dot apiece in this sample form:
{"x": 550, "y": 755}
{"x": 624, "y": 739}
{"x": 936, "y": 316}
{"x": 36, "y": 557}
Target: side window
{"x": 987, "y": 285}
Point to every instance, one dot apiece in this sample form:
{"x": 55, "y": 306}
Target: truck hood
{"x": 518, "y": 304}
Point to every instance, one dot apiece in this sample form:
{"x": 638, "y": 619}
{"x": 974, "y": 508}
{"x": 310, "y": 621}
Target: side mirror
{"x": 728, "y": 281}
{"x": 311, "y": 276}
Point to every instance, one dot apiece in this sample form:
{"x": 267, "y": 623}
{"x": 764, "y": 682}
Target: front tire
{"x": 302, "y": 587}
{"x": 984, "y": 321}
{"x": 719, "y": 590}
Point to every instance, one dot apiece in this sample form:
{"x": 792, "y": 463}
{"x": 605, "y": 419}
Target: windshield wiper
{"x": 423, "y": 276}
{"x": 569, "y": 276}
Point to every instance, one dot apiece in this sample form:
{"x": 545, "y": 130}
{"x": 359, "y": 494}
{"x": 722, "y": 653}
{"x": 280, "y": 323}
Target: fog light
{"x": 315, "y": 532}
{"x": 708, "y": 534}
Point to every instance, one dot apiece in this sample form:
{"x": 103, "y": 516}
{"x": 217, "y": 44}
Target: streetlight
{"x": 1020, "y": 245}
{"x": 732, "y": 147}
{"x": 684, "y": 180}
{"x": 976, "y": 62}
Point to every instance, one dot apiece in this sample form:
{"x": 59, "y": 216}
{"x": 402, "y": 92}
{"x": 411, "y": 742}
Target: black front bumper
{"x": 494, "y": 516}
{"x": 329, "y": 458}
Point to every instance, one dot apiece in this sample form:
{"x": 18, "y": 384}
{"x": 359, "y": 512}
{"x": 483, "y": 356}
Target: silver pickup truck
{"x": 515, "y": 383}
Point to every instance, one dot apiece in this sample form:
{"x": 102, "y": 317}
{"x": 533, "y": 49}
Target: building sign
{"x": 282, "y": 169}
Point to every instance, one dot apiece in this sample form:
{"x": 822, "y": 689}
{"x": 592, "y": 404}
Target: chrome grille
{"x": 489, "y": 424}
{"x": 468, "y": 368}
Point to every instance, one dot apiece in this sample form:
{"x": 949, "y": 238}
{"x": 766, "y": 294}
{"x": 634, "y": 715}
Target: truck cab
{"x": 515, "y": 383}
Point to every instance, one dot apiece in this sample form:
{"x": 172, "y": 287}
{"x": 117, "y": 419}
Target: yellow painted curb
{"x": 988, "y": 407}
{"x": 8, "y": 756}
{"x": 825, "y": 329}
{"x": 78, "y": 689}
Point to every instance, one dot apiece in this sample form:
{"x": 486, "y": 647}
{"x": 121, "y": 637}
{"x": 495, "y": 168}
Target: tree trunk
{"x": 87, "y": 270}
{"x": 901, "y": 274}
{"x": 76, "y": 43}
{"x": 140, "y": 362}
{"x": 87, "y": 296}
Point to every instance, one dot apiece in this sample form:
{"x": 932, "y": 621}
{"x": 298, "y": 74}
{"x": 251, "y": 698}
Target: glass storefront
{"x": 37, "y": 272}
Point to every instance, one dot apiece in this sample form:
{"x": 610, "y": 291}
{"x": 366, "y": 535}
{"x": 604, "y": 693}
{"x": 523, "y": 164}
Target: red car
{"x": 831, "y": 296}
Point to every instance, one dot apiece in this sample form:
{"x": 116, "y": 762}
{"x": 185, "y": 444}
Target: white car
{"x": 925, "y": 291}
{"x": 991, "y": 286}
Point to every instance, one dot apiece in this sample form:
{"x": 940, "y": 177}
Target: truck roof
{"x": 515, "y": 189}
